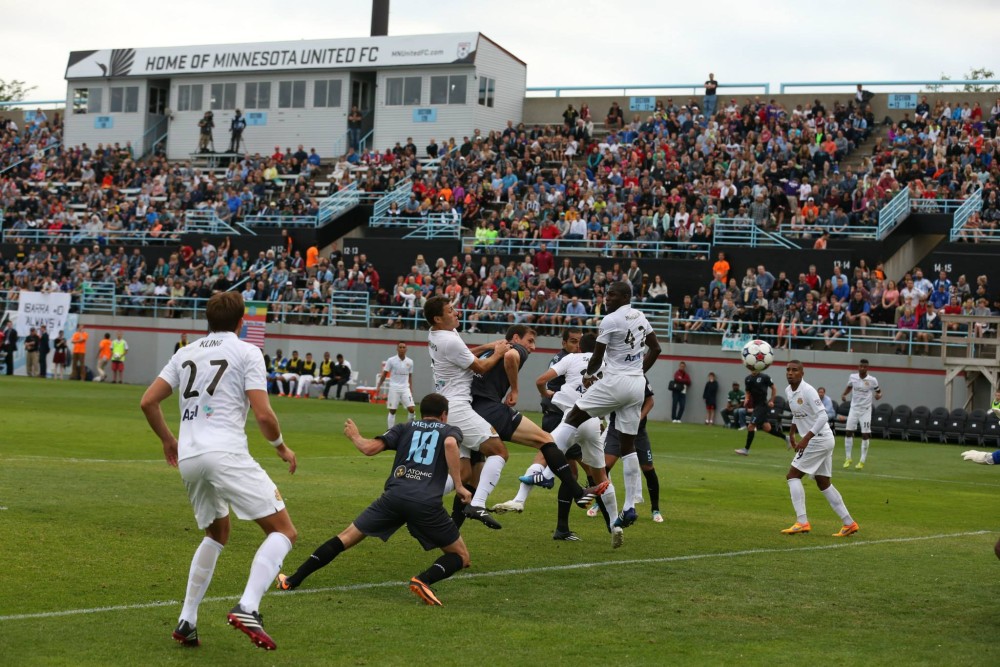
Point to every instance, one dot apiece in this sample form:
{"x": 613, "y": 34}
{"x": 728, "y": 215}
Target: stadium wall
{"x": 910, "y": 380}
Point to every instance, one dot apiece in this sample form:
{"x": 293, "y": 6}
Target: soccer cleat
{"x": 281, "y": 393}
{"x": 482, "y": 515}
{"x": 617, "y": 537}
{"x": 797, "y": 528}
{"x": 186, "y": 634}
{"x": 860, "y": 466}
{"x": 282, "y": 583}
{"x": 566, "y": 536}
{"x": 657, "y": 517}
{"x": 847, "y": 463}
{"x": 509, "y": 506}
{"x": 594, "y": 510}
{"x": 742, "y": 451}
{"x": 538, "y": 479}
{"x": 251, "y": 625}
{"x": 625, "y": 519}
{"x": 590, "y": 494}
{"x": 424, "y": 592}
{"x": 847, "y": 530}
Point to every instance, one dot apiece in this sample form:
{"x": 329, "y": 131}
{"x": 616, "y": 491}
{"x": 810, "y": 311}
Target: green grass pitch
{"x": 96, "y": 536}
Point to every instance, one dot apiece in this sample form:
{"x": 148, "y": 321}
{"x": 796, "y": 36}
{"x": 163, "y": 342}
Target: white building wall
{"x": 511, "y": 78}
{"x": 79, "y": 128}
{"x": 322, "y": 128}
{"x": 395, "y": 123}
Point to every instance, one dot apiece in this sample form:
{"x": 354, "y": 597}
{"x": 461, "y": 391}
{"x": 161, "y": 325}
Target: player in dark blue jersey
{"x": 426, "y": 456}
{"x": 758, "y": 405}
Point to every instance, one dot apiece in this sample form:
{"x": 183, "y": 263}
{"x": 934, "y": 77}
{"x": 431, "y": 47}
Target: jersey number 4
{"x": 422, "y": 447}
{"x": 189, "y": 391}
{"x": 630, "y": 337}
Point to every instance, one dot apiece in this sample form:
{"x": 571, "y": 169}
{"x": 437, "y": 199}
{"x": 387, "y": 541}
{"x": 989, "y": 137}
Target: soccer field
{"x": 97, "y": 538}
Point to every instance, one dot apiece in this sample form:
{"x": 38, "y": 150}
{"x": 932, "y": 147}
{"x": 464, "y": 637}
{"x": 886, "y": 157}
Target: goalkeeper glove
{"x": 985, "y": 458}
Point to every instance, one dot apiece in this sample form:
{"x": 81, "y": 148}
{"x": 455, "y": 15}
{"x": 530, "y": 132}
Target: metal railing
{"x": 849, "y": 232}
{"x": 437, "y": 226}
{"x": 398, "y": 195}
{"x": 973, "y": 204}
{"x": 81, "y": 235}
{"x": 29, "y": 157}
{"x": 694, "y": 87}
{"x": 154, "y": 135}
{"x": 920, "y": 82}
{"x": 894, "y": 212}
{"x": 205, "y": 221}
{"x": 655, "y": 249}
{"x": 743, "y": 232}
{"x": 338, "y": 203}
{"x": 922, "y": 205}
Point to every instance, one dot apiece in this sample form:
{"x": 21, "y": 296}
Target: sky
{"x": 567, "y": 43}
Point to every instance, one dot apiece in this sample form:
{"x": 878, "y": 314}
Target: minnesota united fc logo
{"x": 399, "y": 472}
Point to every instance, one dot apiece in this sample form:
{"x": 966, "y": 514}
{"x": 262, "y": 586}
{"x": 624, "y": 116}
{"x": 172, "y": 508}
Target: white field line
{"x": 846, "y": 544}
{"x": 743, "y": 462}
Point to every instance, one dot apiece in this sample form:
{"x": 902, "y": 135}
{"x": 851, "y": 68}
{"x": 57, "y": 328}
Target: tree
{"x": 14, "y": 91}
{"x": 938, "y": 87}
{"x": 979, "y": 74}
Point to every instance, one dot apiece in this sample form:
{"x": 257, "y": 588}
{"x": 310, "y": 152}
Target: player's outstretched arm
{"x": 367, "y": 446}
{"x": 986, "y": 458}
{"x": 267, "y": 422}
{"x": 652, "y": 351}
{"x": 480, "y": 365}
{"x": 157, "y": 392}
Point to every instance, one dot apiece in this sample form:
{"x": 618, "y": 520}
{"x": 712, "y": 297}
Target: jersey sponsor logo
{"x": 632, "y": 357}
{"x": 277, "y": 495}
{"x": 799, "y": 400}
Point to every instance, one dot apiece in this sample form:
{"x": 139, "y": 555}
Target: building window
{"x": 189, "y": 97}
{"x": 448, "y": 89}
{"x": 402, "y": 91}
{"x": 291, "y": 94}
{"x": 486, "y": 88}
{"x": 327, "y": 93}
{"x": 87, "y": 100}
{"x": 124, "y": 99}
{"x": 223, "y": 96}
{"x": 258, "y": 95}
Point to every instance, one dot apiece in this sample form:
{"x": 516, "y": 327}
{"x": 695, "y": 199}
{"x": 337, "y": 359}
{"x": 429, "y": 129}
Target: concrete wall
{"x": 910, "y": 380}
{"x": 548, "y": 110}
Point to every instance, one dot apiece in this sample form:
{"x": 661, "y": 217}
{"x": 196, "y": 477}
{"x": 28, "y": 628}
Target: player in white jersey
{"x": 622, "y": 335}
{"x": 220, "y": 377}
{"x": 454, "y": 364}
{"x": 862, "y": 387}
{"x": 398, "y": 370}
{"x": 814, "y": 452}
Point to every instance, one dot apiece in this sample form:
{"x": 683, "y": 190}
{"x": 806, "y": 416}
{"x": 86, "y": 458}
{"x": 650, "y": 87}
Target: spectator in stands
{"x": 906, "y": 327}
{"x": 615, "y": 119}
{"x": 710, "y": 99}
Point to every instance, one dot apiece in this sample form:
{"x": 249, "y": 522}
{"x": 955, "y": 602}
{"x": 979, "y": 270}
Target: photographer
{"x": 236, "y": 127}
{"x": 205, "y": 127}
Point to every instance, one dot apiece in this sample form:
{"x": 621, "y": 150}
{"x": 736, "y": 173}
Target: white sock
{"x": 409, "y": 415}
{"x": 265, "y": 567}
{"x": 449, "y": 485}
{"x": 610, "y": 499}
{"x": 849, "y": 445}
{"x": 798, "y": 499}
{"x": 390, "y": 420}
{"x": 525, "y": 489}
{"x": 563, "y": 436}
{"x": 864, "y": 449}
{"x": 488, "y": 479}
{"x": 837, "y": 503}
{"x": 633, "y": 480}
{"x": 199, "y": 577}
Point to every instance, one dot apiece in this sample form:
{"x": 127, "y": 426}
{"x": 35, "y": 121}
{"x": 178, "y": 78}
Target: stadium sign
{"x": 353, "y": 53}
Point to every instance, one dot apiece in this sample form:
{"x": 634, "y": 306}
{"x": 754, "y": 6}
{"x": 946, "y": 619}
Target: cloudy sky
{"x": 578, "y": 42}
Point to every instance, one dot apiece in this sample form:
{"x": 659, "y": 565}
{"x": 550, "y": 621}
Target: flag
{"x": 254, "y": 323}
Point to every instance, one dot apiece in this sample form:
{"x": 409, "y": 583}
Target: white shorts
{"x": 396, "y": 397}
{"x": 859, "y": 416}
{"x": 217, "y": 480}
{"x": 816, "y": 458}
{"x": 588, "y": 436}
{"x": 621, "y": 394}
{"x": 475, "y": 429}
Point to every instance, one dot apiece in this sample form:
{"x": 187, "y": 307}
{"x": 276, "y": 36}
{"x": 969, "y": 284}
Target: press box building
{"x": 420, "y": 86}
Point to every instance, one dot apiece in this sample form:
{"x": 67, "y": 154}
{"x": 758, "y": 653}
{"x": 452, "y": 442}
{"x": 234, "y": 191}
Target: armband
{"x": 277, "y": 442}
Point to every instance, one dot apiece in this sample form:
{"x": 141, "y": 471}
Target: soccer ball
{"x": 757, "y": 355}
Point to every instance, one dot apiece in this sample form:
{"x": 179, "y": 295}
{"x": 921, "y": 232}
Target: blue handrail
{"x": 31, "y": 103}
{"x": 743, "y": 232}
{"x": 919, "y": 82}
{"x": 558, "y": 90}
{"x": 973, "y": 204}
{"x": 893, "y": 213}
{"x": 25, "y": 159}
